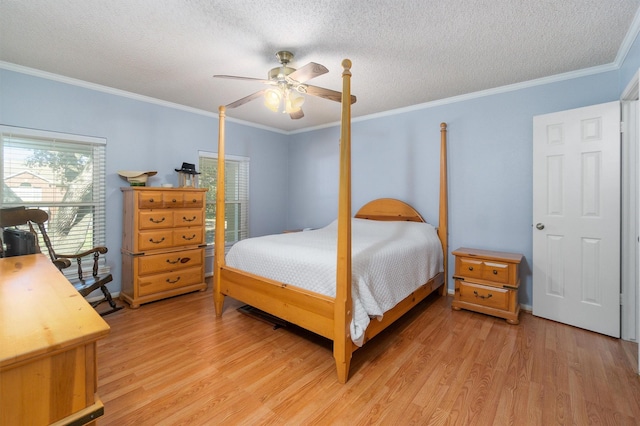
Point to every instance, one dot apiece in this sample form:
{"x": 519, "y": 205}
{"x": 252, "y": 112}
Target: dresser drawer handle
{"x": 481, "y": 296}
{"x": 156, "y": 221}
{"x": 151, "y": 200}
{"x": 471, "y": 268}
{"x": 173, "y": 262}
{"x": 495, "y": 272}
{"x": 156, "y": 242}
{"x": 189, "y": 220}
{"x": 173, "y": 281}
{"x": 194, "y": 201}
{"x": 187, "y": 238}
{"x": 173, "y": 201}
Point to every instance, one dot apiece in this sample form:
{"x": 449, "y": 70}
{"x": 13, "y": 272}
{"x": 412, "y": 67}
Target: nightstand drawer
{"x": 495, "y": 271}
{"x": 468, "y": 267}
{"x": 492, "y": 297}
{"x": 489, "y": 270}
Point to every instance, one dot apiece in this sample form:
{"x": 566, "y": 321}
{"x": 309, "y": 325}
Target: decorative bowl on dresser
{"x": 487, "y": 282}
{"x": 163, "y": 242}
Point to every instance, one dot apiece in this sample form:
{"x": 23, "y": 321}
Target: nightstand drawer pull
{"x": 173, "y": 281}
{"x": 495, "y": 272}
{"x": 471, "y": 268}
{"x": 481, "y": 296}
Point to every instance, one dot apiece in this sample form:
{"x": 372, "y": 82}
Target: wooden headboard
{"x": 389, "y": 209}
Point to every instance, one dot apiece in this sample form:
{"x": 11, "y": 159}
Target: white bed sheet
{"x": 389, "y": 261}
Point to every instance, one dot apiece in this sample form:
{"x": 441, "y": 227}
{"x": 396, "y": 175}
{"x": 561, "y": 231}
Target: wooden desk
{"x": 48, "y": 335}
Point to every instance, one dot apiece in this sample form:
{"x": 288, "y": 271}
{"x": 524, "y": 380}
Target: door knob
{"x": 540, "y": 226}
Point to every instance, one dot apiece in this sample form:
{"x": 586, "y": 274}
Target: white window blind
{"x": 236, "y": 195}
{"x": 62, "y": 174}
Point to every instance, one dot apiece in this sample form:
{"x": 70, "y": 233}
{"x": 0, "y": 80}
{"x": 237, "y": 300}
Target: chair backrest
{"x": 21, "y": 216}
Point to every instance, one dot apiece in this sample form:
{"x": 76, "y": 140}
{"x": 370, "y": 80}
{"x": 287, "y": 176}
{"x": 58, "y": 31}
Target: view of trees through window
{"x": 236, "y": 196}
{"x": 63, "y": 176}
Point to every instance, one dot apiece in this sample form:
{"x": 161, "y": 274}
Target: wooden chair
{"x": 84, "y": 283}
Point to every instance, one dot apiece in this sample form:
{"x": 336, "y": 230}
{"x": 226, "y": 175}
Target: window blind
{"x": 63, "y": 174}
{"x": 236, "y": 195}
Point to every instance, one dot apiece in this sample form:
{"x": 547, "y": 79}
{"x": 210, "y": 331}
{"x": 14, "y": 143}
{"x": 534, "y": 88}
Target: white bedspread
{"x": 389, "y": 261}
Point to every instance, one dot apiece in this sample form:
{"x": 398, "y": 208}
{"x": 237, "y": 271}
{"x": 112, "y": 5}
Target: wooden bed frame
{"x": 327, "y": 316}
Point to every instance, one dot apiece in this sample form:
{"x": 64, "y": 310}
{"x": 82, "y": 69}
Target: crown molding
{"x": 112, "y": 91}
{"x": 632, "y": 33}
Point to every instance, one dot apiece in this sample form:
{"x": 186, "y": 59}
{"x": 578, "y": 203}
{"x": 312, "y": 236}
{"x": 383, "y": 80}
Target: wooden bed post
{"x": 342, "y": 344}
{"x": 443, "y": 231}
{"x": 218, "y": 259}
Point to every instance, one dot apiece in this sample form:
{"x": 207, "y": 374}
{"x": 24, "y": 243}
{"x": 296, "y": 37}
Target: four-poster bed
{"x": 329, "y": 316}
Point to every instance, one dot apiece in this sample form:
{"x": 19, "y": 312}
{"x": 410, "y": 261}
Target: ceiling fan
{"x": 286, "y": 86}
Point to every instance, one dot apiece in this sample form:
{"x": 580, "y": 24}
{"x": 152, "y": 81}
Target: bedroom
{"x": 490, "y": 148}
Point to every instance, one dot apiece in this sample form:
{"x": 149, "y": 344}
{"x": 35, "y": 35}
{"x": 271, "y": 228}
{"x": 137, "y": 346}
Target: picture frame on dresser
{"x": 163, "y": 243}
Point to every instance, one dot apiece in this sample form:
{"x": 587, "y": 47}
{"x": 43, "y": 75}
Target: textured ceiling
{"x": 404, "y": 52}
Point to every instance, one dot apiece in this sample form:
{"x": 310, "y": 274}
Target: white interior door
{"x": 576, "y": 217}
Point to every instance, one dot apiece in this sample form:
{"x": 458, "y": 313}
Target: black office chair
{"x": 84, "y": 283}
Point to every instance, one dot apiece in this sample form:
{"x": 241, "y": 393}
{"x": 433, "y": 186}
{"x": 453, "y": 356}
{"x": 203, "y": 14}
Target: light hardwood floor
{"x": 173, "y": 362}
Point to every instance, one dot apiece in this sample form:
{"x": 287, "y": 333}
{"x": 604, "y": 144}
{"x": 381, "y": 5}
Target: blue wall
{"x": 294, "y": 178}
{"x": 489, "y": 162}
{"x": 147, "y": 136}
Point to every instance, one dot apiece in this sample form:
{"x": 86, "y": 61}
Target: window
{"x": 236, "y": 195}
{"x": 61, "y": 174}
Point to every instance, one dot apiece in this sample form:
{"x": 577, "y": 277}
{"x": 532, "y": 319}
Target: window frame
{"x": 244, "y": 164}
{"x": 97, "y": 204}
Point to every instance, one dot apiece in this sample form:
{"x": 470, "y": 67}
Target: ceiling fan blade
{"x": 297, "y": 115}
{"x": 246, "y": 99}
{"x": 307, "y": 72}
{"x": 332, "y": 95}
{"x": 235, "y": 77}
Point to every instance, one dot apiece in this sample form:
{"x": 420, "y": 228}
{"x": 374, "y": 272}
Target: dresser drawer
{"x": 492, "y": 297}
{"x": 155, "y": 263}
{"x": 155, "y": 240}
{"x": 172, "y": 199}
{"x": 194, "y": 200}
{"x": 183, "y": 218}
{"x": 155, "y": 219}
{"x": 167, "y": 199}
{"x": 152, "y": 284}
{"x": 150, "y": 200}
{"x": 188, "y": 236}
{"x": 169, "y": 238}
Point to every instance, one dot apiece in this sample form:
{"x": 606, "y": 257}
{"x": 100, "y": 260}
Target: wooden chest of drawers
{"x": 487, "y": 282}
{"x": 163, "y": 240}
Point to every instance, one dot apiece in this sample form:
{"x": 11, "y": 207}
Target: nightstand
{"x": 487, "y": 282}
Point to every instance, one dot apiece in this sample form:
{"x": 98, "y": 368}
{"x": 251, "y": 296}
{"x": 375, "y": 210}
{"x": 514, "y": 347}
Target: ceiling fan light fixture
{"x": 286, "y": 86}
{"x": 293, "y": 102}
{"x": 272, "y": 99}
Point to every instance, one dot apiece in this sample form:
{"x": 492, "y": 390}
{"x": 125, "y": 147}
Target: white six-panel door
{"x": 576, "y": 217}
